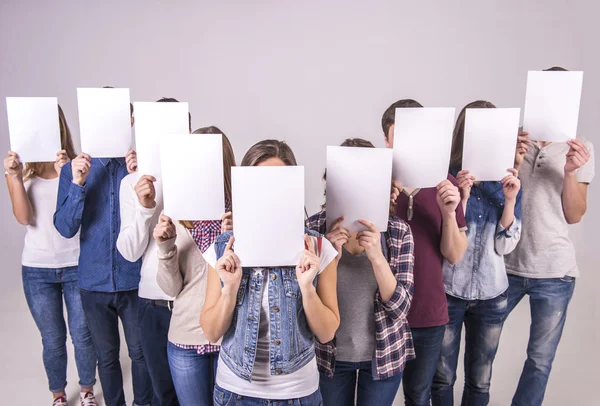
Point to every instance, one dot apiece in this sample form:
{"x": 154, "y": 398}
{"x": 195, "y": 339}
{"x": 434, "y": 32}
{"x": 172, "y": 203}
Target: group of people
{"x": 357, "y": 316}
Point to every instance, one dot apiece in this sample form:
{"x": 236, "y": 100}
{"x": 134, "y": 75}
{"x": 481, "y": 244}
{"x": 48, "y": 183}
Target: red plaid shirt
{"x": 205, "y": 232}
{"x": 200, "y": 349}
{"x": 394, "y": 344}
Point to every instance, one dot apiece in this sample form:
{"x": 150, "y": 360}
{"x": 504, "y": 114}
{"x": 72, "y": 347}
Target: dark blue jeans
{"x": 154, "y": 326}
{"x": 483, "y": 320}
{"x": 418, "y": 373}
{"x": 194, "y": 375}
{"x": 45, "y": 289}
{"x": 223, "y": 397}
{"x": 103, "y": 311}
{"x": 548, "y": 300}
{"x": 341, "y": 388}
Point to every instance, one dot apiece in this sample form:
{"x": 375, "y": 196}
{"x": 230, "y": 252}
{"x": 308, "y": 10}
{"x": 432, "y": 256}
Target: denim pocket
{"x": 290, "y": 283}
{"x": 221, "y": 397}
{"x": 567, "y": 279}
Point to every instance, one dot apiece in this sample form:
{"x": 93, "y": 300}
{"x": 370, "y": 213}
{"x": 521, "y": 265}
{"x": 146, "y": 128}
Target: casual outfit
{"x": 49, "y": 274}
{"x": 476, "y": 292}
{"x": 543, "y": 265}
{"x": 182, "y": 273}
{"x": 268, "y": 352}
{"x": 108, "y": 282}
{"x": 154, "y": 309}
{"x": 373, "y": 338}
{"x": 429, "y": 309}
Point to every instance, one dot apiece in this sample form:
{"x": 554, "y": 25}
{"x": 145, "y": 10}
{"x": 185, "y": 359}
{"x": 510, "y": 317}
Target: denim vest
{"x": 292, "y": 343}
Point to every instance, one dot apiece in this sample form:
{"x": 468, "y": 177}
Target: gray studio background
{"x": 311, "y": 73}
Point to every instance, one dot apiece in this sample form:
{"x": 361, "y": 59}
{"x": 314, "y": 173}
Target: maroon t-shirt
{"x": 429, "y": 307}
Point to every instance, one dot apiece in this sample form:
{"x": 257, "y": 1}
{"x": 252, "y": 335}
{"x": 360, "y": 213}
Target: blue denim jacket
{"x": 94, "y": 208}
{"x": 288, "y": 323}
{"x": 481, "y": 274}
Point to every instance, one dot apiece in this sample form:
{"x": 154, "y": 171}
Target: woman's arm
{"x": 168, "y": 274}
{"x": 220, "y": 302}
{"x": 21, "y": 205}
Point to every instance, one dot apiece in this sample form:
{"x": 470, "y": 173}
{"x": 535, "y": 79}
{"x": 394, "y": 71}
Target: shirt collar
{"x": 106, "y": 161}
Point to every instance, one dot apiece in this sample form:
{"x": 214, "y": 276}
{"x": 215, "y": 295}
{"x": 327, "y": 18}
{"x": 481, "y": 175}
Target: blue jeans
{"x": 548, "y": 300}
{"x": 341, "y": 388}
{"x": 44, "y": 290}
{"x": 223, "y": 397}
{"x": 483, "y": 320}
{"x": 193, "y": 374}
{"x": 419, "y": 372}
{"x": 103, "y": 310}
{"x": 154, "y": 327}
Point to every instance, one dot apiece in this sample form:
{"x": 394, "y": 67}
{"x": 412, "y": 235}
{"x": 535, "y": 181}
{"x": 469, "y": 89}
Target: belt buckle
{"x": 169, "y": 306}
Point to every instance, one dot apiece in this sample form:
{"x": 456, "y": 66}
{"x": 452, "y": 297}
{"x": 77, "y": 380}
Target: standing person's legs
{"x": 516, "y": 291}
{"x": 127, "y": 307}
{"x": 85, "y": 354}
{"x": 44, "y": 298}
{"x": 193, "y": 375}
{"x": 548, "y": 300}
{"x": 442, "y": 389}
{"x": 154, "y": 327}
{"x": 418, "y": 374}
{"x": 101, "y": 315}
{"x": 341, "y": 387}
{"x": 375, "y": 392}
{"x": 483, "y": 326}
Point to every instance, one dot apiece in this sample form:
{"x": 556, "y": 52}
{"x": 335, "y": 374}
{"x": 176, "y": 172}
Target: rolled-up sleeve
{"x": 69, "y": 204}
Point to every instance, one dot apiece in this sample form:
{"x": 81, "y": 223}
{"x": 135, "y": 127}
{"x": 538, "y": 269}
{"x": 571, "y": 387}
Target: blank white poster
{"x": 152, "y": 121}
{"x": 490, "y": 142}
{"x": 192, "y": 176}
{"x": 552, "y": 105}
{"x": 358, "y": 186}
{"x": 268, "y": 214}
{"x": 104, "y": 122}
{"x": 33, "y": 128}
{"x": 422, "y": 143}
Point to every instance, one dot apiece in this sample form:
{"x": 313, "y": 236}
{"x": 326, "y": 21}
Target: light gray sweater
{"x": 182, "y": 273}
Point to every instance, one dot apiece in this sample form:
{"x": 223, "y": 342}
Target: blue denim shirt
{"x": 481, "y": 274}
{"x": 95, "y": 208}
{"x": 288, "y": 324}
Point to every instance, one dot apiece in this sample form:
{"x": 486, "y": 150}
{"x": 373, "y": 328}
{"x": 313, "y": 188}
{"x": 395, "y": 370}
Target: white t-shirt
{"x": 303, "y": 382}
{"x": 44, "y": 246}
{"x": 135, "y": 239}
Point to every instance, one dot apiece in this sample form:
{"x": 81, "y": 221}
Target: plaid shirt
{"x": 200, "y": 349}
{"x": 394, "y": 344}
{"x": 205, "y": 232}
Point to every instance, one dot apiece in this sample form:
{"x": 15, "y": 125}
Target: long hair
{"x": 458, "y": 136}
{"x": 263, "y": 150}
{"x": 228, "y": 162}
{"x": 33, "y": 169}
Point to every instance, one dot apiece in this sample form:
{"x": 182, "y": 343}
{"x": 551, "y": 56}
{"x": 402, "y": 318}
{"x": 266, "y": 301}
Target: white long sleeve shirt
{"x": 135, "y": 237}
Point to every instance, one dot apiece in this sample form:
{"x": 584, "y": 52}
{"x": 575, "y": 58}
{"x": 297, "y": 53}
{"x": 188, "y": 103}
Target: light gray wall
{"x": 314, "y": 73}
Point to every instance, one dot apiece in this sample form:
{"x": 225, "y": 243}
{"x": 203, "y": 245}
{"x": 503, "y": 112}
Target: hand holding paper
{"x": 80, "y": 168}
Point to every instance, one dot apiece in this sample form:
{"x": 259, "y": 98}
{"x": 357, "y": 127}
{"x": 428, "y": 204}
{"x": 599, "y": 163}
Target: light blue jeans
{"x": 193, "y": 375}
{"x": 45, "y": 289}
{"x": 548, "y": 300}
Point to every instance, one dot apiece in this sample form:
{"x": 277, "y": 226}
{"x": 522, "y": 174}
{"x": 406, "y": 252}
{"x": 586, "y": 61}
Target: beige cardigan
{"x": 182, "y": 273}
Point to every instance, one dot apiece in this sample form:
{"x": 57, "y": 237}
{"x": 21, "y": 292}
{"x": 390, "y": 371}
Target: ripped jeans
{"x": 483, "y": 321}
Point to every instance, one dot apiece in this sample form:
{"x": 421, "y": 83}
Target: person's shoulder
{"x": 223, "y": 237}
{"x": 398, "y": 225}
{"x": 131, "y": 178}
{"x": 588, "y": 144}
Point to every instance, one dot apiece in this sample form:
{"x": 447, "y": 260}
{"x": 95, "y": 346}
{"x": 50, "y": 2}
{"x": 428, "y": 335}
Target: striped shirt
{"x": 394, "y": 344}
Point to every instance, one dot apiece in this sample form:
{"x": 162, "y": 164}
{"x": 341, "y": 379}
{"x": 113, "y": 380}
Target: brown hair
{"x": 556, "y": 69}
{"x": 228, "y": 162}
{"x": 389, "y": 116}
{"x": 33, "y": 169}
{"x": 263, "y": 150}
{"x": 458, "y": 136}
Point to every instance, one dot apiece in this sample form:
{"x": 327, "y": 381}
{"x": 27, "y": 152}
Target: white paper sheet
{"x": 152, "y": 121}
{"x": 104, "y": 122}
{"x": 33, "y": 128}
{"x": 268, "y": 214}
{"x": 192, "y": 176}
{"x": 552, "y": 105}
{"x": 490, "y": 142}
{"x": 358, "y": 186}
{"x": 422, "y": 143}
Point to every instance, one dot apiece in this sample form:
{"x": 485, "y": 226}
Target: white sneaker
{"x": 60, "y": 401}
{"x": 87, "y": 399}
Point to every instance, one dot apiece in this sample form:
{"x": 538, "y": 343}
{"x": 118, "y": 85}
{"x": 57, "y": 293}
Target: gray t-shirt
{"x": 356, "y": 287}
{"x": 545, "y": 249}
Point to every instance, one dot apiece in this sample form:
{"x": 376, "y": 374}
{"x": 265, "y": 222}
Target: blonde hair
{"x": 33, "y": 169}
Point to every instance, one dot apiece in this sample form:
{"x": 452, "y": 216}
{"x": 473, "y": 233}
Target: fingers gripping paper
{"x": 192, "y": 176}
{"x": 490, "y": 142}
{"x": 268, "y": 214}
{"x": 358, "y": 186}
{"x": 422, "y": 143}
{"x": 33, "y": 128}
